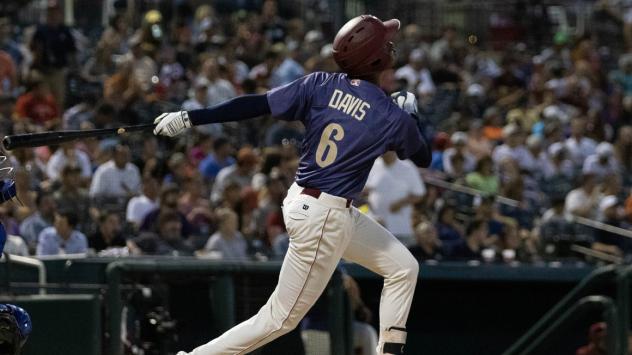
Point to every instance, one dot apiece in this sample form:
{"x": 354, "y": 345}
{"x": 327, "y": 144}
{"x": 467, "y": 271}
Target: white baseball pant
{"x": 322, "y": 231}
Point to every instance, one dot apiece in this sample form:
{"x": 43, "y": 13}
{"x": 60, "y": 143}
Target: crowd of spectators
{"x": 541, "y": 135}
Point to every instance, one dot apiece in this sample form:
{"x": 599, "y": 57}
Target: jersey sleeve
{"x": 290, "y": 102}
{"x": 407, "y": 139}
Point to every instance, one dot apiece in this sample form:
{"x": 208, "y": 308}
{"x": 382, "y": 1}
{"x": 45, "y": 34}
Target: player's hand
{"x": 406, "y": 101}
{"x": 172, "y": 124}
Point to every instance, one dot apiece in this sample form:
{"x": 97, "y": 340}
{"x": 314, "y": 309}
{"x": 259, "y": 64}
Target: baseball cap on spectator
{"x": 327, "y": 51}
{"x": 510, "y": 130}
{"x": 538, "y": 60}
{"x": 604, "y": 150}
{"x": 153, "y": 16}
{"x": 53, "y": 4}
{"x": 135, "y": 40}
{"x": 555, "y": 113}
{"x": 560, "y": 38}
{"x": 625, "y": 61}
{"x": 201, "y": 83}
{"x": 534, "y": 141}
{"x": 440, "y": 141}
{"x": 247, "y": 156}
{"x": 417, "y": 55}
{"x": 458, "y": 138}
{"x": 206, "y": 24}
{"x": 313, "y": 36}
{"x": 515, "y": 116}
{"x": 491, "y": 112}
{"x": 555, "y": 149}
{"x": 176, "y": 159}
{"x": 475, "y": 90}
{"x": 476, "y": 124}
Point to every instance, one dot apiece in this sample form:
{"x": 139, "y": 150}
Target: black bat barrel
{"x": 29, "y": 140}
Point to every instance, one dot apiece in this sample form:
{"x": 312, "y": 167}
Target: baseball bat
{"x": 29, "y": 140}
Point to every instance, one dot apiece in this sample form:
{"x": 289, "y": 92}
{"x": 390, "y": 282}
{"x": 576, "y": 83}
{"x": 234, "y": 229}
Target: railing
{"x": 223, "y": 302}
{"x": 606, "y": 304}
{"x": 36, "y": 263}
{"x": 600, "y": 276}
{"x": 515, "y": 203}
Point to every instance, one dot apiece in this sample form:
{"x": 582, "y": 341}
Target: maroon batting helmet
{"x": 363, "y": 45}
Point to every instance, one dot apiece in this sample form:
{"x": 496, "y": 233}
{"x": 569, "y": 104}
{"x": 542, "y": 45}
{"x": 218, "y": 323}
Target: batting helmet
{"x": 15, "y": 327}
{"x": 363, "y": 45}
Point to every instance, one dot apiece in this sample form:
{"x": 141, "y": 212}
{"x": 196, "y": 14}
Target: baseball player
{"x": 349, "y": 122}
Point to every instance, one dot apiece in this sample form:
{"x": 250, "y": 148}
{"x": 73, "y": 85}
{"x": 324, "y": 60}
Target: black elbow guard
{"x": 423, "y": 157}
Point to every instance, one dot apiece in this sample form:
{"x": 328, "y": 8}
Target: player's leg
{"x": 375, "y": 248}
{"x": 318, "y": 235}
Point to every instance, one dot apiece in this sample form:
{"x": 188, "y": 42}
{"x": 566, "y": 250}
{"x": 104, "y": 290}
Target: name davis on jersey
{"x": 349, "y": 104}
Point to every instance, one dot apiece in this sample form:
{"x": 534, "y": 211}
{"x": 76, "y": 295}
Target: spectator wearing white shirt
{"x": 116, "y": 178}
{"x": 416, "y": 74}
{"x": 583, "y": 201}
{"x": 144, "y": 68}
{"x": 459, "y": 146}
{"x": 514, "y": 148}
{"x": 138, "y": 207}
{"x": 394, "y": 186}
{"x": 578, "y": 146}
{"x": 603, "y": 163}
{"x": 15, "y": 245}
{"x": 67, "y": 154}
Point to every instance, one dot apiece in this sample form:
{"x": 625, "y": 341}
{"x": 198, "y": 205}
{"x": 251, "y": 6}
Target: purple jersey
{"x": 349, "y": 123}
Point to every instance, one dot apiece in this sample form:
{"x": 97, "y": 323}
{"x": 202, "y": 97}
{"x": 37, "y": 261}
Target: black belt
{"x": 315, "y": 193}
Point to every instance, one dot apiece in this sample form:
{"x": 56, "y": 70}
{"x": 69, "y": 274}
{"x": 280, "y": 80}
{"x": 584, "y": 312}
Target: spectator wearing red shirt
{"x": 38, "y": 106}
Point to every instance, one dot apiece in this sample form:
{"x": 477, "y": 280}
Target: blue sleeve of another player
{"x": 409, "y": 143}
{"x": 290, "y": 102}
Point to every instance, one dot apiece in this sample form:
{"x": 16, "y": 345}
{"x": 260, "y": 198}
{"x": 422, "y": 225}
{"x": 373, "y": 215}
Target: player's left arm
{"x": 240, "y": 108}
{"x": 287, "y": 102}
{"x": 410, "y": 142}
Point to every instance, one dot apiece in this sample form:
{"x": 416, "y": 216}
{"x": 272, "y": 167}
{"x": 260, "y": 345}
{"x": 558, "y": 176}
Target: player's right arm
{"x": 409, "y": 141}
{"x": 287, "y": 102}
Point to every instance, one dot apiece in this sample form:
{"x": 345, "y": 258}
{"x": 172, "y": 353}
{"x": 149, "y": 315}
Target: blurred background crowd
{"x": 531, "y": 131}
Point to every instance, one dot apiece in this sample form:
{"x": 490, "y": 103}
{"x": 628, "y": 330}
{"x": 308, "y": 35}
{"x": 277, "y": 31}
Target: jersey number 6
{"x": 324, "y": 156}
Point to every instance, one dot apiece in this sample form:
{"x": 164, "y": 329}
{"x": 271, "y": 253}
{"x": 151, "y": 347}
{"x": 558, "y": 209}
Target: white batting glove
{"x": 406, "y": 101}
{"x": 171, "y": 124}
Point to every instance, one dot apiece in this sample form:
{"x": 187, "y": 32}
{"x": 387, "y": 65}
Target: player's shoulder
{"x": 323, "y": 78}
